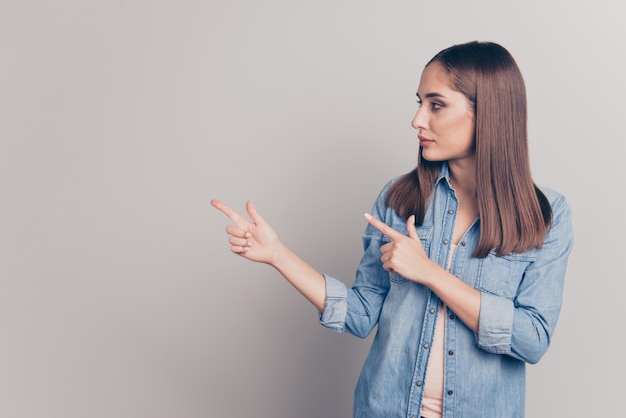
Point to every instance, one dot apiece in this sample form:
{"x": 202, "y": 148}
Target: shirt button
{"x": 450, "y": 211}
{"x": 445, "y": 241}
{"x": 450, "y": 392}
{"x": 451, "y": 316}
{"x": 426, "y": 346}
{"x": 451, "y": 352}
{"x": 418, "y": 383}
{"x": 463, "y": 244}
{"x": 432, "y": 310}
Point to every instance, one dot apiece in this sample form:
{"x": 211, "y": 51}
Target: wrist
{"x": 433, "y": 274}
{"x": 279, "y": 256}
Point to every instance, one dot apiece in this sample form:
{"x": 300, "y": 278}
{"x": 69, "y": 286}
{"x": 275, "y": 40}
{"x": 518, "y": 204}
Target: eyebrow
{"x": 430, "y": 95}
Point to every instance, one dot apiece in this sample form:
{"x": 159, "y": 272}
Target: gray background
{"x": 120, "y": 120}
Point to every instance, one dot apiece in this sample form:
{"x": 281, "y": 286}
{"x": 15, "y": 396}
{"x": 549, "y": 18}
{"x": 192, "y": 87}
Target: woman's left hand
{"x": 404, "y": 254}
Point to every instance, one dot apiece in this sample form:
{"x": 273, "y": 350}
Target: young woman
{"x": 464, "y": 256}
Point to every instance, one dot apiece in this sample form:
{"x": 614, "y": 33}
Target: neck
{"x": 463, "y": 177}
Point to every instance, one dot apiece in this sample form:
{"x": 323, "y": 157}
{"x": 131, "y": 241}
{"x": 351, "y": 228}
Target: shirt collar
{"x": 444, "y": 173}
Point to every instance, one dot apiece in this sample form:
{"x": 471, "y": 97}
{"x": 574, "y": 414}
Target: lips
{"x": 424, "y": 141}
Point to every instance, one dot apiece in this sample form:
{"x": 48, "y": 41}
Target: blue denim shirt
{"x": 484, "y": 372}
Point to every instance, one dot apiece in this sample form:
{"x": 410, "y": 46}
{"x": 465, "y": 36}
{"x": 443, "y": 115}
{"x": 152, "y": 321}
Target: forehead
{"x": 435, "y": 79}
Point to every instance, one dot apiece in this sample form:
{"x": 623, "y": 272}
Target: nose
{"x": 418, "y": 121}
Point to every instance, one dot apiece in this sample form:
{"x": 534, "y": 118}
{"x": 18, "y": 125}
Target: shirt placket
{"x": 440, "y": 249}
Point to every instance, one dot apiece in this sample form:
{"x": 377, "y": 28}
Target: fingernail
{"x": 367, "y": 216}
{"x": 248, "y": 235}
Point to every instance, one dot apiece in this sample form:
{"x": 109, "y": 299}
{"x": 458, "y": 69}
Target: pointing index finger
{"x": 230, "y": 212}
{"x": 383, "y": 227}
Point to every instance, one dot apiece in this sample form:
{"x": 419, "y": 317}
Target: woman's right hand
{"x": 255, "y": 240}
{"x": 252, "y": 239}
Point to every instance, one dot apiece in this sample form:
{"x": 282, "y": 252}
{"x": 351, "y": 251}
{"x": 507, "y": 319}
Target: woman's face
{"x": 445, "y": 119}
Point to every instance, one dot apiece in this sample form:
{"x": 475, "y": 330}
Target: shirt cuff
{"x": 495, "y": 324}
{"x": 335, "y": 305}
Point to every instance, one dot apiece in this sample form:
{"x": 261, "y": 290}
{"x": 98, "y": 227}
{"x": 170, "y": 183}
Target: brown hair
{"x": 514, "y": 214}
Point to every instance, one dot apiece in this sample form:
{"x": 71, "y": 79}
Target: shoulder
{"x": 561, "y": 228}
{"x": 558, "y": 202}
{"x": 380, "y": 209}
{"x": 385, "y": 190}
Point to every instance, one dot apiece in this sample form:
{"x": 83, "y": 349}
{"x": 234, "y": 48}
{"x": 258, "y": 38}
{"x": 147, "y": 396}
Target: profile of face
{"x": 445, "y": 119}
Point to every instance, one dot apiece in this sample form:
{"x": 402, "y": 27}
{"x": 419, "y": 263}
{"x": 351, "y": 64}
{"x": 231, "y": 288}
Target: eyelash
{"x": 434, "y": 106}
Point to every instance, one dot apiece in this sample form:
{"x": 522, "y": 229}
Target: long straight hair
{"x": 514, "y": 214}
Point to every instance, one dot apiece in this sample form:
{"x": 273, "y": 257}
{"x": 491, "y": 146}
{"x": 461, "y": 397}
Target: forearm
{"x": 308, "y": 281}
{"x": 460, "y": 297}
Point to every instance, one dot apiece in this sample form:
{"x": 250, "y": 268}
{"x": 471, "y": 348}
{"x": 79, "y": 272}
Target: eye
{"x": 436, "y": 105}
{"x": 419, "y": 103}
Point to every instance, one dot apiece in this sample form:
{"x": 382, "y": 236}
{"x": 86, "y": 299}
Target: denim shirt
{"x": 484, "y": 372}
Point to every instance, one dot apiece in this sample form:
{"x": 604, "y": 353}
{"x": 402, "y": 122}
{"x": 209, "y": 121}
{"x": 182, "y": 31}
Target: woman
{"x": 464, "y": 256}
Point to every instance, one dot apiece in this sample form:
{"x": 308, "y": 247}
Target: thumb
{"x": 410, "y": 228}
{"x": 254, "y": 215}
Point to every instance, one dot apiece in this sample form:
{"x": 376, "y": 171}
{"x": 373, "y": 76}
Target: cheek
{"x": 467, "y": 134}
{"x": 457, "y": 125}
{"x": 465, "y": 129}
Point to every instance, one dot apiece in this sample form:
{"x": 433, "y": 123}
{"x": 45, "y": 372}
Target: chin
{"x": 432, "y": 158}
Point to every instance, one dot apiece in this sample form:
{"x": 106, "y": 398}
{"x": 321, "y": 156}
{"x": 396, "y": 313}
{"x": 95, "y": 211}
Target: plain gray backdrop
{"x": 120, "y": 120}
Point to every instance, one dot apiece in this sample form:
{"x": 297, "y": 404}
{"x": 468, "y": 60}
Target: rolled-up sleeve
{"x": 335, "y": 306}
{"x": 495, "y": 323}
